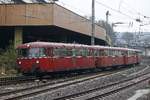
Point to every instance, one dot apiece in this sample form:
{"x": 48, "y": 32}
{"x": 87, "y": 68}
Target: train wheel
{"x": 103, "y": 68}
{"x": 26, "y": 74}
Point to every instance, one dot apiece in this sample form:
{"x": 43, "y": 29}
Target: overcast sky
{"x": 125, "y": 11}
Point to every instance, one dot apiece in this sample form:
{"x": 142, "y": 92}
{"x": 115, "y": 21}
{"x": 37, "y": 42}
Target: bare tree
{"x": 109, "y": 29}
{"x": 128, "y": 38}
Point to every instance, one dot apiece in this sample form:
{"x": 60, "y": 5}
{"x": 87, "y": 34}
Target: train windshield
{"x": 32, "y": 52}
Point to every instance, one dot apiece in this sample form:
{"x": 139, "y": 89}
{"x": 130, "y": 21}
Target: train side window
{"x": 36, "y": 52}
{"x": 49, "y": 51}
{"x": 63, "y": 52}
{"x": 78, "y": 52}
{"x": 69, "y": 52}
{"x": 126, "y": 53}
{"x": 116, "y": 53}
{"x": 73, "y": 52}
{"x": 90, "y": 52}
{"x": 122, "y": 53}
{"x": 102, "y": 53}
{"x": 56, "y": 52}
{"x": 129, "y": 53}
{"x": 81, "y": 52}
{"x": 135, "y": 53}
{"x": 111, "y": 52}
{"x": 106, "y": 52}
{"x": 84, "y": 52}
{"x": 96, "y": 53}
{"x": 42, "y": 52}
{"x": 87, "y": 52}
{"x": 60, "y": 52}
{"x": 119, "y": 53}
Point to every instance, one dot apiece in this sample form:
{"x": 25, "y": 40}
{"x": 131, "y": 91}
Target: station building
{"x": 50, "y": 22}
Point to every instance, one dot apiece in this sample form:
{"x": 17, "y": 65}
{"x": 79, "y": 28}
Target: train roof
{"x": 50, "y": 44}
{"x": 69, "y": 45}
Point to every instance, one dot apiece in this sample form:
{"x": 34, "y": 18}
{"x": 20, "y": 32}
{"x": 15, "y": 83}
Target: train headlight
{"x": 19, "y": 62}
{"x": 37, "y": 62}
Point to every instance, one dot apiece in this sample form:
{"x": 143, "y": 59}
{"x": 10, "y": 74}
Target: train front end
{"x": 30, "y": 60}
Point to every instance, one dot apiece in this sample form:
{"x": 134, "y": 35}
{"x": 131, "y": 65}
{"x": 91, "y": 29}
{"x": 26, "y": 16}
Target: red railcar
{"x": 42, "y": 57}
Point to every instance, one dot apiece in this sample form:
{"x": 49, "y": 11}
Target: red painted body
{"x": 51, "y": 63}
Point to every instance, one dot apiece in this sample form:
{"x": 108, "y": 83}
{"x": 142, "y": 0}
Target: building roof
{"x": 47, "y": 14}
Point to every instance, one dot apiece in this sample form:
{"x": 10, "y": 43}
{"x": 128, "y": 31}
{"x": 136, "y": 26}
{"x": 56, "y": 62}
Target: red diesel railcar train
{"x": 43, "y": 57}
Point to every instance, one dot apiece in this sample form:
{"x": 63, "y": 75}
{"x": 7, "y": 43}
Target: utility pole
{"x": 107, "y": 29}
{"x": 93, "y": 23}
{"x": 107, "y": 14}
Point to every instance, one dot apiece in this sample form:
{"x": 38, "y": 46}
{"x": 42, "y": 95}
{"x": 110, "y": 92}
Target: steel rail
{"x": 31, "y": 91}
{"x": 15, "y": 79}
{"x": 27, "y": 92}
{"x": 111, "y": 88}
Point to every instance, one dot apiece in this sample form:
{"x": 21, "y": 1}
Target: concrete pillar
{"x": 18, "y": 39}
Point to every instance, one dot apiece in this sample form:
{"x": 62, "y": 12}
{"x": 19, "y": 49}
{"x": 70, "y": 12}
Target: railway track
{"x": 15, "y": 80}
{"x": 106, "y": 90}
{"x": 23, "y": 79}
{"x": 54, "y": 85}
{"x": 31, "y": 91}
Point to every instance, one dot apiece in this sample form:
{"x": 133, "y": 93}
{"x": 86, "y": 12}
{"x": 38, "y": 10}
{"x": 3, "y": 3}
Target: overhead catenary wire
{"x": 75, "y": 8}
{"x": 135, "y": 11}
{"x": 137, "y": 20}
{"x": 115, "y": 10}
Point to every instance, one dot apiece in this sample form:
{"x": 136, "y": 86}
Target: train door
{"x": 49, "y": 52}
{"x": 68, "y": 59}
{"x": 137, "y": 57}
{"x": 77, "y": 58}
{"x": 125, "y": 53}
{"x": 91, "y": 57}
{"x": 111, "y": 58}
{"x": 62, "y": 60}
{"x": 73, "y": 57}
{"x": 58, "y": 56}
{"x": 99, "y": 59}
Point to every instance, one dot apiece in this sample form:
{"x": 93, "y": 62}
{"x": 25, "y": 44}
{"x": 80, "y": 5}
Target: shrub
{"x": 8, "y": 60}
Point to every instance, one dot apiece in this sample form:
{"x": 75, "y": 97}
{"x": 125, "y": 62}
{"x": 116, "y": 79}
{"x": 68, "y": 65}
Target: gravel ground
{"x": 130, "y": 92}
{"x": 18, "y": 86}
{"x": 89, "y": 84}
{"x": 35, "y": 83}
